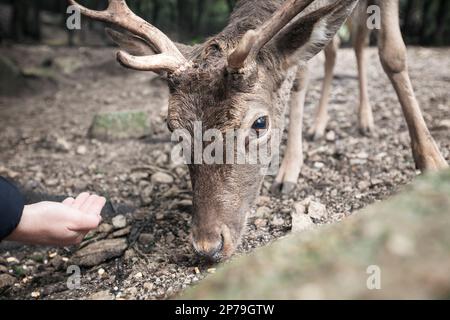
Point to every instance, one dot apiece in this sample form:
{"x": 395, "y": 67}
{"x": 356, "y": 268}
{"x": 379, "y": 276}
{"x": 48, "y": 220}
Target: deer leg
{"x": 292, "y": 163}
{"x": 394, "y": 60}
{"x": 321, "y": 118}
{"x": 366, "y": 123}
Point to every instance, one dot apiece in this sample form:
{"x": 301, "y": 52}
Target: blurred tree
{"x": 425, "y": 22}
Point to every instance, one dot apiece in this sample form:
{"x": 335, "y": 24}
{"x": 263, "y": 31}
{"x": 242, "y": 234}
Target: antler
{"x": 168, "y": 57}
{"x": 253, "y": 41}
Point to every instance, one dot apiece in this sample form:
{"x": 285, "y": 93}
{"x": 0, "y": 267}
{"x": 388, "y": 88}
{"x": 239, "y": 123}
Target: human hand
{"x": 60, "y": 224}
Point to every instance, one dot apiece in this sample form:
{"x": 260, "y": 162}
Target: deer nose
{"x": 210, "y": 249}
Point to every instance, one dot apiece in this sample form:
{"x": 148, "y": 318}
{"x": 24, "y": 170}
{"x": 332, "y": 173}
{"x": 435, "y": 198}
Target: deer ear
{"x": 130, "y": 43}
{"x": 311, "y": 32}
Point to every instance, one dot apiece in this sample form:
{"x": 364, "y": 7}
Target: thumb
{"x": 83, "y": 222}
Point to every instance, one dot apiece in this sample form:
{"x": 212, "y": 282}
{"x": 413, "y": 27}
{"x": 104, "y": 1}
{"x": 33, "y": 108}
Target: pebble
{"x": 263, "y": 212}
{"x": 259, "y": 223}
{"x": 3, "y": 269}
{"x": 119, "y": 221}
{"x": 81, "y": 150}
{"x": 331, "y": 136}
{"x": 102, "y": 295}
{"x": 148, "y": 286}
{"x": 300, "y": 220}
{"x": 122, "y": 232}
{"x": 276, "y": 221}
{"x": 146, "y": 195}
{"x": 162, "y": 178}
{"x": 6, "y": 280}
{"x": 98, "y": 252}
{"x": 12, "y": 260}
{"x": 105, "y": 228}
{"x": 146, "y": 238}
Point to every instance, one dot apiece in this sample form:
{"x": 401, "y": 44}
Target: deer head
{"x": 239, "y": 79}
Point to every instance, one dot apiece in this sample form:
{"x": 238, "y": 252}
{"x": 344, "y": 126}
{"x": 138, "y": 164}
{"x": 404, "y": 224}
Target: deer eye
{"x": 261, "y": 125}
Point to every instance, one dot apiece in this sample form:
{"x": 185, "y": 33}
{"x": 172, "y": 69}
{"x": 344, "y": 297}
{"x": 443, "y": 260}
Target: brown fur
{"x": 205, "y": 89}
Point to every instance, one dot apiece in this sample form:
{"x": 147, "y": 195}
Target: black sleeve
{"x": 11, "y": 207}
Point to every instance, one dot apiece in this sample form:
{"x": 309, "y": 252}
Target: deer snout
{"x": 214, "y": 246}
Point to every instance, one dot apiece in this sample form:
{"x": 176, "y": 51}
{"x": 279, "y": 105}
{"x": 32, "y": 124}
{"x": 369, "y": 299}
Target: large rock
{"x": 120, "y": 125}
{"x": 398, "y": 249}
{"x": 11, "y": 79}
{"x": 99, "y": 252}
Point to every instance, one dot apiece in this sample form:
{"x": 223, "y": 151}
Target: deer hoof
{"x": 367, "y": 131}
{"x": 315, "y": 135}
{"x": 284, "y": 188}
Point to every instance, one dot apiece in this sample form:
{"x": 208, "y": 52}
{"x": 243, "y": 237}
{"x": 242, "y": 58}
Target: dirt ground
{"x": 44, "y": 147}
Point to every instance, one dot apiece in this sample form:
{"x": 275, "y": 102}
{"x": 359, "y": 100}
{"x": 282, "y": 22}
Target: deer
{"x": 247, "y": 76}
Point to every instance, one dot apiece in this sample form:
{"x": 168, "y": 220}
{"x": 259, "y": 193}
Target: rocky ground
{"x": 142, "y": 251}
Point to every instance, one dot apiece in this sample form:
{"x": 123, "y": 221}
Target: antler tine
{"x": 120, "y": 15}
{"x": 253, "y": 41}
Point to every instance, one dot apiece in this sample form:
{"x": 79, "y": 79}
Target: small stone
{"x": 301, "y": 221}
{"x": 105, "y": 228}
{"x": 148, "y": 286}
{"x": 101, "y": 272}
{"x": 121, "y": 233}
{"x": 119, "y": 221}
{"x": 197, "y": 270}
{"x": 276, "y": 221}
{"x": 146, "y": 238}
{"x": 263, "y": 212}
{"x": 259, "y": 223}
{"x": 317, "y": 210}
{"x": 362, "y": 155}
{"x": 331, "y": 136}
{"x": 35, "y": 294}
{"x": 138, "y": 275}
{"x": 6, "y": 280}
{"x": 162, "y": 178}
{"x": 99, "y": 252}
{"x": 57, "y": 262}
{"x": 81, "y": 150}
{"x": 445, "y": 124}
{"x": 146, "y": 195}
{"x": 12, "y": 260}
{"x": 102, "y": 295}
{"x": 51, "y": 182}
{"x": 212, "y": 270}
{"x": 129, "y": 254}
{"x": 363, "y": 185}
{"x": 62, "y": 145}
{"x": 319, "y": 165}
{"x": 3, "y": 269}
{"x": 263, "y": 201}
{"x": 170, "y": 237}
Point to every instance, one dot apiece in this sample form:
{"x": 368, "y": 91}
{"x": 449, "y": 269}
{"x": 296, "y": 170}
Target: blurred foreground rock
{"x": 120, "y": 125}
{"x": 402, "y": 245}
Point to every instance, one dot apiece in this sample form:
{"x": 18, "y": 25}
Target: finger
{"x": 68, "y": 201}
{"x": 88, "y": 203}
{"x": 83, "y": 222}
{"x": 79, "y": 201}
{"x": 97, "y": 206}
